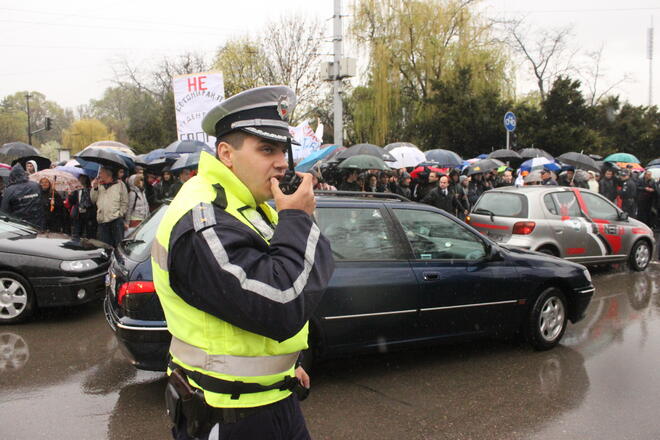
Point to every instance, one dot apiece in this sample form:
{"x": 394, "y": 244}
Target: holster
{"x": 183, "y": 400}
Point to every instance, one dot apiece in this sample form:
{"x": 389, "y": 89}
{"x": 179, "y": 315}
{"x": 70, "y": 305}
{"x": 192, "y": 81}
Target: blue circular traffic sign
{"x": 510, "y": 121}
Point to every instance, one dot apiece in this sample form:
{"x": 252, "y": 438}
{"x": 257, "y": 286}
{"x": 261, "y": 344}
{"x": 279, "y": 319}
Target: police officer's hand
{"x": 302, "y": 199}
{"x": 303, "y": 377}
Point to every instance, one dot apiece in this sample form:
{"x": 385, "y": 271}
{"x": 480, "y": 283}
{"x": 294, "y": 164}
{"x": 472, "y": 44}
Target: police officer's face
{"x": 254, "y": 163}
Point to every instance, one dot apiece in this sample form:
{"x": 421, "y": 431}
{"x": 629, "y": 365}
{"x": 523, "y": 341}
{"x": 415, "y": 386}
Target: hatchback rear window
{"x": 502, "y": 204}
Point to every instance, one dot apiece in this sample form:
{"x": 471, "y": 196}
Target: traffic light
{"x": 49, "y": 123}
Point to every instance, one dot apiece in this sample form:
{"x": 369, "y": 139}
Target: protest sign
{"x": 194, "y": 95}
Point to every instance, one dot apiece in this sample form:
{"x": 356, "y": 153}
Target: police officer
{"x": 239, "y": 280}
{"x": 546, "y": 176}
{"x": 628, "y": 194}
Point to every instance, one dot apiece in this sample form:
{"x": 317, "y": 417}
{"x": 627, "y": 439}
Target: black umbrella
{"x": 531, "y": 153}
{"x": 186, "y": 161}
{"x": 364, "y": 162}
{"x": 19, "y": 149}
{"x": 188, "y": 146}
{"x": 579, "y": 160}
{"x": 104, "y": 156}
{"x": 368, "y": 149}
{"x": 504, "y": 154}
{"x": 444, "y": 158}
{"x": 483, "y": 166}
{"x": 42, "y": 162}
{"x": 157, "y": 166}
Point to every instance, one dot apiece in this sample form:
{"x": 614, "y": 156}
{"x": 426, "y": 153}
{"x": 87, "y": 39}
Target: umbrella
{"x": 407, "y": 157}
{"x": 186, "y": 161}
{"x": 74, "y": 171}
{"x": 655, "y": 172}
{"x": 42, "y": 162}
{"x": 187, "y": 146}
{"x": 445, "y": 158}
{"x": 426, "y": 168}
{"x": 483, "y": 166}
{"x": 534, "y": 176}
{"x": 114, "y": 145}
{"x": 579, "y": 160}
{"x": 622, "y": 157}
{"x": 140, "y": 161}
{"x": 505, "y": 155}
{"x": 61, "y": 180}
{"x": 393, "y": 145}
{"x": 365, "y": 149}
{"x": 19, "y": 149}
{"x": 634, "y": 166}
{"x": 529, "y": 153}
{"x": 653, "y": 163}
{"x": 540, "y": 162}
{"x": 4, "y": 170}
{"x": 307, "y": 163}
{"x": 103, "y": 156}
{"x": 364, "y": 162}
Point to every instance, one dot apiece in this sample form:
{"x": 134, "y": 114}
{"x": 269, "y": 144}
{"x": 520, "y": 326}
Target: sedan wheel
{"x": 547, "y": 320}
{"x": 640, "y": 256}
{"x": 16, "y": 298}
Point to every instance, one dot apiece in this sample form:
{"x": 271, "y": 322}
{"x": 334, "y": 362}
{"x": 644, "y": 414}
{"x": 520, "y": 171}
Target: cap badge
{"x": 283, "y": 108}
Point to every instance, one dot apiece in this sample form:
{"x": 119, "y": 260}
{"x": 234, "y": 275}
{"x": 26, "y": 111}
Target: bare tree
{"x": 548, "y": 55}
{"x": 592, "y": 74}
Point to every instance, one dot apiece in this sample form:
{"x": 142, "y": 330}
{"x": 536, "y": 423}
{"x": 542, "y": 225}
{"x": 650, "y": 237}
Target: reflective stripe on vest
{"x": 232, "y": 365}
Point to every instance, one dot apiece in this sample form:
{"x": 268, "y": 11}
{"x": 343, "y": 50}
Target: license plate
{"x": 111, "y": 281}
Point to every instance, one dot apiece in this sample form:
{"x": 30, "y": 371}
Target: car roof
{"x": 530, "y": 189}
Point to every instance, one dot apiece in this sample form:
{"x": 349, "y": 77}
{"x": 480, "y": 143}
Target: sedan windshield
{"x": 12, "y": 226}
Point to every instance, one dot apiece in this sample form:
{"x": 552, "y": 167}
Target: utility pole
{"x": 649, "y": 48}
{"x": 27, "y": 101}
{"x": 336, "y": 82}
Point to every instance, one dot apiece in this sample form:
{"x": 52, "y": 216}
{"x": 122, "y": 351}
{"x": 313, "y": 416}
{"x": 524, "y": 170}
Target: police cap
{"x": 262, "y": 112}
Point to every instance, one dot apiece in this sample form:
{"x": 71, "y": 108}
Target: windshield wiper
{"x": 486, "y": 211}
{"x": 21, "y": 222}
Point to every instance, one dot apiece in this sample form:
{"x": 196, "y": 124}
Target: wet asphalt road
{"x": 62, "y": 376}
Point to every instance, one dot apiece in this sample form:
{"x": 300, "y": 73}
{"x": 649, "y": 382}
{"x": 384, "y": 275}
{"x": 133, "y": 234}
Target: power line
{"x": 120, "y": 19}
{"x": 549, "y": 11}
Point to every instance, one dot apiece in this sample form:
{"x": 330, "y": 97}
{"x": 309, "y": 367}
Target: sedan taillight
{"x": 523, "y": 228}
{"x": 134, "y": 287}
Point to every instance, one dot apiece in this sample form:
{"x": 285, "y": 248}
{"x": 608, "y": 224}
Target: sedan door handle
{"x": 429, "y": 276}
{"x": 559, "y": 231}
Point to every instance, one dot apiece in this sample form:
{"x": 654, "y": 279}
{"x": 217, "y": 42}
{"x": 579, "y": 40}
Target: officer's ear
{"x": 224, "y": 152}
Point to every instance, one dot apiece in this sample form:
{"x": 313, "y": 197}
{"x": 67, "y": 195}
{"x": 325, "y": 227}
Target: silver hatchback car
{"x": 572, "y": 223}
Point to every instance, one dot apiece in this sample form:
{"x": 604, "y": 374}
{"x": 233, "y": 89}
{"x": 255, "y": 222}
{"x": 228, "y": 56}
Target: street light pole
{"x": 336, "y": 83}
{"x": 29, "y": 129}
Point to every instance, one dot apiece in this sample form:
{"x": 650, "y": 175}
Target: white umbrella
{"x": 407, "y": 157}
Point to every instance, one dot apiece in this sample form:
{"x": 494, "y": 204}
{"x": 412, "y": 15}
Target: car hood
{"x": 57, "y": 246}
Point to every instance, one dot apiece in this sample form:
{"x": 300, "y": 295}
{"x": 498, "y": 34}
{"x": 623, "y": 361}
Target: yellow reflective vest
{"x": 203, "y": 342}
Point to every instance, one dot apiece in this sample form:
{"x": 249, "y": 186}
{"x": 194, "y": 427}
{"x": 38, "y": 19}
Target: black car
{"x": 406, "y": 273}
{"x": 46, "y": 269}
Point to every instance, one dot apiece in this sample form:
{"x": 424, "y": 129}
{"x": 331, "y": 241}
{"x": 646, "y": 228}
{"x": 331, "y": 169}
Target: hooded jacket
{"x": 138, "y": 206}
{"x": 111, "y": 201}
{"x": 22, "y": 198}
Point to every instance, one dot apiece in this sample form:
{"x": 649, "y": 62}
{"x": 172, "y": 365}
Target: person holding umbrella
{"x": 111, "y": 199}
{"x": 546, "y": 177}
{"x": 53, "y": 206}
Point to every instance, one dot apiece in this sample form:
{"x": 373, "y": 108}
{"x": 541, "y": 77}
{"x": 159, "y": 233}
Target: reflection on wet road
{"x": 62, "y": 376}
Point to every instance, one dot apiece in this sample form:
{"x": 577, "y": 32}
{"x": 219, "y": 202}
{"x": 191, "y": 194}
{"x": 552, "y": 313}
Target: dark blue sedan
{"x": 406, "y": 274}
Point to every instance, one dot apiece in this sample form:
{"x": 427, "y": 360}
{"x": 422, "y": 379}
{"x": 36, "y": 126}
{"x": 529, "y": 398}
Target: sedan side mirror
{"x": 623, "y": 215}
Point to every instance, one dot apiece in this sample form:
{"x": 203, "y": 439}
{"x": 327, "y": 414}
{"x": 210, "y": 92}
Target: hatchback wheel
{"x": 640, "y": 255}
{"x": 547, "y": 319}
{"x": 16, "y": 298}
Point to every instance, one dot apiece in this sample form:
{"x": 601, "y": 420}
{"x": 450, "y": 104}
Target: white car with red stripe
{"x": 572, "y": 223}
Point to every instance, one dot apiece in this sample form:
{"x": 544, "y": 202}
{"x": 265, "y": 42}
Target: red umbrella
{"x": 415, "y": 173}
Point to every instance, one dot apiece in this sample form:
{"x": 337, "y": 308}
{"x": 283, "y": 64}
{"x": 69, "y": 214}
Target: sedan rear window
{"x": 502, "y": 204}
{"x": 137, "y": 246}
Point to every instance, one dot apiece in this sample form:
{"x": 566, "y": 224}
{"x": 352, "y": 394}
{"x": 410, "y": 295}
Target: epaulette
{"x": 203, "y": 216}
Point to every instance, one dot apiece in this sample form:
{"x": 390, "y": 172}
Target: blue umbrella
{"x": 483, "y": 156}
{"x": 311, "y": 160}
{"x": 540, "y": 163}
{"x": 186, "y": 161}
{"x": 187, "y": 146}
{"x": 158, "y": 153}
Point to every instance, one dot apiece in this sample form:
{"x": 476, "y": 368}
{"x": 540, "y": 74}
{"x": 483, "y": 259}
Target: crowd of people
{"x": 114, "y": 203}
{"x": 106, "y": 207}
{"x": 456, "y": 192}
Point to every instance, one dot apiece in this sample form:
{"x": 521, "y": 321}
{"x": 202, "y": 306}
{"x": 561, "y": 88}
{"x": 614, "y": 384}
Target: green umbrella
{"x": 364, "y": 162}
{"x": 622, "y": 157}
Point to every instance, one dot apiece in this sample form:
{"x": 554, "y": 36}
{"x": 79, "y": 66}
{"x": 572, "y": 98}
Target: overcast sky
{"x": 67, "y": 50}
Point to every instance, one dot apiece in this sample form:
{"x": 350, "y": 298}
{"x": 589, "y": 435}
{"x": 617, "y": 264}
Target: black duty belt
{"x": 234, "y": 388}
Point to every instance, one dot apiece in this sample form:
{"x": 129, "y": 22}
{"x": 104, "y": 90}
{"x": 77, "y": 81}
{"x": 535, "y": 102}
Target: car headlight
{"x": 587, "y": 275}
{"x": 77, "y": 265}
